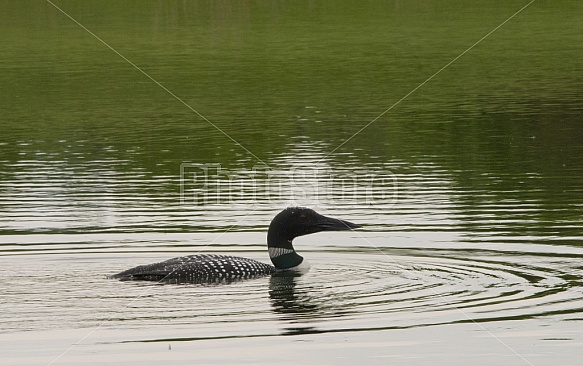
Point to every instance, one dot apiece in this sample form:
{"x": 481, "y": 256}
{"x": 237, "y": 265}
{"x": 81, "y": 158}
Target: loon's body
{"x": 207, "y": 268}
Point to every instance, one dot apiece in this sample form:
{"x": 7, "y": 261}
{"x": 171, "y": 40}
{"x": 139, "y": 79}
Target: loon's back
{"x": 199, "y": 268}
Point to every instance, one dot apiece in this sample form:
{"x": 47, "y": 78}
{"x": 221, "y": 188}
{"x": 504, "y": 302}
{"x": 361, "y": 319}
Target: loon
{"x": 208, "y": 268}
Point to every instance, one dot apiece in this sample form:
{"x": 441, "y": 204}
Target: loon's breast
{"x": 199, "y": 268}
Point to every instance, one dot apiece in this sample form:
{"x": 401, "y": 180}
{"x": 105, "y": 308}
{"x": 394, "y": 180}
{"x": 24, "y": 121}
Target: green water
{"x": 252, "y": 68}
{"x": 469, "y": 119}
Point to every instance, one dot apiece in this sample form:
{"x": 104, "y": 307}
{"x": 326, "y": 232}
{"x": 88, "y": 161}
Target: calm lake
{"x": 137, "y": 131}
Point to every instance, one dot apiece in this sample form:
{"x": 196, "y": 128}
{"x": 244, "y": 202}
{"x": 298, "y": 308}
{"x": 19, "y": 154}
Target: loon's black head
{"x": 297, "y": 221}
{"x": 291, "y": 223}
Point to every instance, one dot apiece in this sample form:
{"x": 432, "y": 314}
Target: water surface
{"x": 469, "y": 190}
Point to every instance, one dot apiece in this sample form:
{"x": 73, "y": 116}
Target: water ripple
{"x": 346, "y": 290}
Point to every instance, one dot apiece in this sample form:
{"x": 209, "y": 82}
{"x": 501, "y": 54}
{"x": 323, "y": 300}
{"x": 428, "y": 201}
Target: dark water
{"x": 183, "y": 127}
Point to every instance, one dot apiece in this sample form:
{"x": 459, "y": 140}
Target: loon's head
{"x": 297, "y": 221}
{"x": 291, "y": 223}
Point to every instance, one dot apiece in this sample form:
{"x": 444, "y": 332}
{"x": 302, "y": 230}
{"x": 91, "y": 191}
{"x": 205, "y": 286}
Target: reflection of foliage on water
{"x": 499, "y": 128}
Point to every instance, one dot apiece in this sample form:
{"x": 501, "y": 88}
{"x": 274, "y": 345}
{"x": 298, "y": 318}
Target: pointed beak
{"x": 330, "y": 224}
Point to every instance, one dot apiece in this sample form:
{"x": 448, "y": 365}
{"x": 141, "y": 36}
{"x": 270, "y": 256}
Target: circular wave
{"x": 350, "y": 290}
{"x": 413, "y": 287}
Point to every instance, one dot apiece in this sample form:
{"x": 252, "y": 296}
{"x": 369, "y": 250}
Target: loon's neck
{"x": 282, "y": 252}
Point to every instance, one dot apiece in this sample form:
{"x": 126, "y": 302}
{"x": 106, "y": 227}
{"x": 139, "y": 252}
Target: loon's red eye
{"x": 303, "y": 217}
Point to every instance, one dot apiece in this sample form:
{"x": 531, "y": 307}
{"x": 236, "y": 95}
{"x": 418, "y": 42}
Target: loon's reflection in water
{"x": 292, "y": 304}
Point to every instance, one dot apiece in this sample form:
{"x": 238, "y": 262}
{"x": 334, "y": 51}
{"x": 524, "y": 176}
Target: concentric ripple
{"x": 412, "y": 287}
{"x": 354, "y": 289}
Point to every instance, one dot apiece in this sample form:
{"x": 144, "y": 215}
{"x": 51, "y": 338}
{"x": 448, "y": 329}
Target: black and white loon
{"x": 207, "y": 268}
